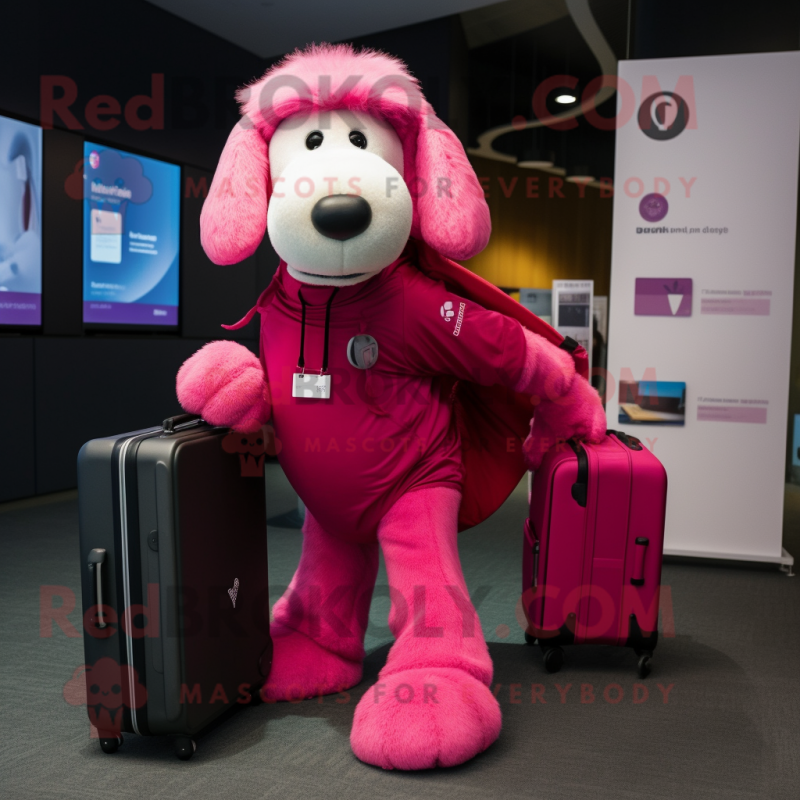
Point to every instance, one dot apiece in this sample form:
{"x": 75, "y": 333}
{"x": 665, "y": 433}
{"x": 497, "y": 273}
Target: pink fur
{"x": 439, "y": 650}
{"x": 548, "y": 370}
{"x": 322, "y": 653}
{"x": 566, "y": 404}
{"x": 327, "y": 77}
{"x": 302, "y": 668}
{"x": 396, "y": 729}
{"x": 224, "y": 383}
{"x": 450, "y": 212}
{"x": 234, "y": 215}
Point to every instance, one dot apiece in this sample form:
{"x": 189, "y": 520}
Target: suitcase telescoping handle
{"x": 97, "y": 558}
{"x": 631, "y": 442}
{"x": 580, "y": 488}
{"x": 638, "y": 560}
{"x": 181, "y": 421}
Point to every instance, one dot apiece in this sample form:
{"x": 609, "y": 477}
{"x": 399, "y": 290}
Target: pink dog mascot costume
{"x": 393, "y": 393}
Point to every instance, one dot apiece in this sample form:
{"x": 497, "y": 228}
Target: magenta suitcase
{"x": 591, "y": 569}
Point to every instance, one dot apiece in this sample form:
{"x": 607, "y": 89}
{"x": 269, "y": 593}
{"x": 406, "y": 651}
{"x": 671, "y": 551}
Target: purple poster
{"x": 663, "y": 297}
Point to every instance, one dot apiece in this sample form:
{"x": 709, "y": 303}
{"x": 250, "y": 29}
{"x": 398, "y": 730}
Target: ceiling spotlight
{"x": 566, "y": 99}
{"x": 580, "y": 173}
{"x": 536, "y": 158}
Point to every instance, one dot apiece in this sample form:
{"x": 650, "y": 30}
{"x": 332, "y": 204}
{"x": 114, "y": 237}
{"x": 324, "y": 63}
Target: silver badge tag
{"x": 317, "y": 387}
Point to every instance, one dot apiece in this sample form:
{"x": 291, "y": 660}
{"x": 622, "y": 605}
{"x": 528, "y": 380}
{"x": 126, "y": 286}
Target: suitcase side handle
{"x": 638, "y": 563}
{"x": 97, "y": 558}
{"x": 580, "y": 488}
{"x": 172, "y": 424}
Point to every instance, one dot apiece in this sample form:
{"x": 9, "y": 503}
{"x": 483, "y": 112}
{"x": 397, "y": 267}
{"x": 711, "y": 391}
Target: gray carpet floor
{"x": 728, "y": 728}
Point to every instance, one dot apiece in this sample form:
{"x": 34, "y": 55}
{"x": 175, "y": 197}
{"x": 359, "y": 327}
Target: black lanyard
{"x": 301, "y": 361}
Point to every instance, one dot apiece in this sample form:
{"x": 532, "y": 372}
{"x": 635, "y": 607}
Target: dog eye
{"x": 357, "y": 139}
{"x": 314, "y": 140}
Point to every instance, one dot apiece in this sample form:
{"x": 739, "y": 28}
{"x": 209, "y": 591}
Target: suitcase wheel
{"x": 553, "y": 659}
{"x": 111, "y": 744}
{"x": 184, "y": 747}
{"x": 644, "y": 666}
{"x": 529, "y": 639}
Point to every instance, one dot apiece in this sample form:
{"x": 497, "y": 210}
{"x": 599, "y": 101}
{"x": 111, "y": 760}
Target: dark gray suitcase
{"x": 173, "y": 539}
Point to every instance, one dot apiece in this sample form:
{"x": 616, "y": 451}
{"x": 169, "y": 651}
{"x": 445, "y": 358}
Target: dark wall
{"x": 714, "y": 27}
{"x": 426, "y": 49}
{"x": 17, "y": 422}
{"x": 64, "y": 385}
{"x": 67, "y": 390}
{"x": 114, "y": 49}
{"x": 211, "y": 294}
{"x": 91, "y": 387}
{"x": 62, "y": 232}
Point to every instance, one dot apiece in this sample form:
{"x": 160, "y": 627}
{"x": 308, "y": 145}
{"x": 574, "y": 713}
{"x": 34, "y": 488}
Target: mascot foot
{"x": 301, "y": 668}
{"x": 424, "y": 718}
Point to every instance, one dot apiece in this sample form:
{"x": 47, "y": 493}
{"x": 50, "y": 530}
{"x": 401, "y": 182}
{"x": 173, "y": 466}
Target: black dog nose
{"x": 341, "y": 216}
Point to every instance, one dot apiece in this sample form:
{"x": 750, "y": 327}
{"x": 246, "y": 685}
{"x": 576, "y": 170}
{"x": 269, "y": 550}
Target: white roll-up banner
{"x": 700, "y": 319}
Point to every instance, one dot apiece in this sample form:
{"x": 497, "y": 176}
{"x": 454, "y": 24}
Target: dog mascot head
{"x": 339, "y": 157}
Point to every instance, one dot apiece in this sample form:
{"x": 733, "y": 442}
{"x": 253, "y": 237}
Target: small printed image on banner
{"x": 663, "y": 297}
{"x": 652, "y": 402}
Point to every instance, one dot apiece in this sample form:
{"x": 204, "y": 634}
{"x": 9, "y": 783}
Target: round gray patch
{"x": 362, "y": 351}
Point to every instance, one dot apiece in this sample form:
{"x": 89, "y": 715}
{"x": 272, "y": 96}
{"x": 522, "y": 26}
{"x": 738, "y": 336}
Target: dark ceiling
{"x": 504, "y": 74}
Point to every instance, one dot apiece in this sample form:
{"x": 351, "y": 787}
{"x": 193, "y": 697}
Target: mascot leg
{"x": 431, "y": 706}
{"x": 318, "y": 625}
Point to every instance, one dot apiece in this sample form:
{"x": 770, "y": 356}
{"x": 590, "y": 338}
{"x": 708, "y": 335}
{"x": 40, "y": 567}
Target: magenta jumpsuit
{"x": 387, "y": 430}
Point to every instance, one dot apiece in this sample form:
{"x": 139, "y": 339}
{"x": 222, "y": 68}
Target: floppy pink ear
{"x": 452, "y": 211}
{"x": 234, "y": 215}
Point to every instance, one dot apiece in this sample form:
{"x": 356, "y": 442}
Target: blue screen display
{"x": 20, "y": 223}
{"x": 131, "y": 238}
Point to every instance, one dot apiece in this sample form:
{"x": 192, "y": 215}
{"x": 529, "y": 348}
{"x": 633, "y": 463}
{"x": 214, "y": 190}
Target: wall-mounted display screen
{"x": 131, "y": 238}
{"x": 20, "y": 223}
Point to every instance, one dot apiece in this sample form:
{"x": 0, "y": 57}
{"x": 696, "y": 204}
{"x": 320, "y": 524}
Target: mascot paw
{"x": 301, "y": 668}
{"x": 224, "y": 383}
{"x": 579, "y": 413}
{"x": 424, "y": 718}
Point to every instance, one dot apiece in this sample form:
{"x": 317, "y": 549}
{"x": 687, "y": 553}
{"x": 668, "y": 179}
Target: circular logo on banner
{"x": 653, "y": 207}
{"x": 663, "y": 116}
